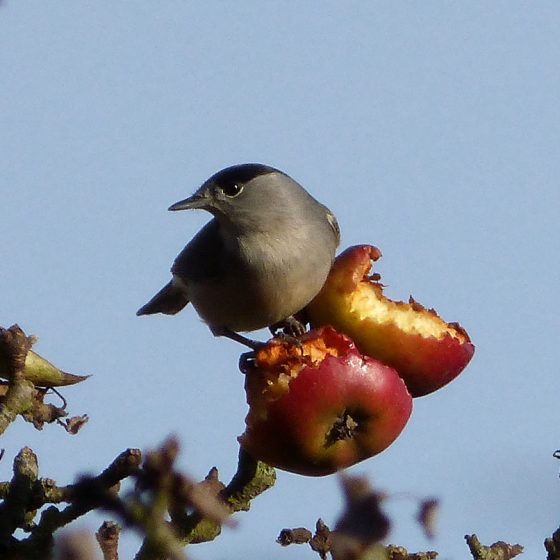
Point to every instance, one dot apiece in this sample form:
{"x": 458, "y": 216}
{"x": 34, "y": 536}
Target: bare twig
{"x": 202, "y": 524}
{"x": 497, "y": 551}
{"x": 108, "y": 539}
{"x": 400, "y": 553}
{"x": 552, "y": 546}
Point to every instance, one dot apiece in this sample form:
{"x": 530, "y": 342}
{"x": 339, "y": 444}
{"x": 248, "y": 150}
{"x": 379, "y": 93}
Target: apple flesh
{"x": 319, "y": 406}
{"x": 426, "y": 351}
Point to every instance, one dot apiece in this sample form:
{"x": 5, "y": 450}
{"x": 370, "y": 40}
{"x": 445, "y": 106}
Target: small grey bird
{"x": 262, "y": 258}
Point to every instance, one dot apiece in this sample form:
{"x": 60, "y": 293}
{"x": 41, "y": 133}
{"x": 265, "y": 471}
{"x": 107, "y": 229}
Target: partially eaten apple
{"x": 317, "y": 406}
{"x": 426, "y": 351}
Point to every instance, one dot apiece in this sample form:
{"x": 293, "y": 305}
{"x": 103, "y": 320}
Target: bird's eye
{"x": 232, "y": 190}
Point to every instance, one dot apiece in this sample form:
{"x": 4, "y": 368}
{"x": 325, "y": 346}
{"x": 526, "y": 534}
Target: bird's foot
{"x": 246, "y": 362}
{"x": 232, "y": 335}
{"x": 291, "y": 328}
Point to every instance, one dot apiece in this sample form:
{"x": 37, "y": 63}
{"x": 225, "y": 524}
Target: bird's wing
{"x": 334, "y": 225}
{"x": 201, "y": 259}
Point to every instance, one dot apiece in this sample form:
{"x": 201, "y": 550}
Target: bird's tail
{"x": 169, "y": 300}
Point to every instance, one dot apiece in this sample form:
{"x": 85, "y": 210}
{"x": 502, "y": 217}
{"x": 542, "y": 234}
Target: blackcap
{"x": 262, "y": 258}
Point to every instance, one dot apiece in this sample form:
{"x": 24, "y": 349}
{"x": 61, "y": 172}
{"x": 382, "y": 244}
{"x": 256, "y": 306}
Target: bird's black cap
{"x": 241, "y": 174}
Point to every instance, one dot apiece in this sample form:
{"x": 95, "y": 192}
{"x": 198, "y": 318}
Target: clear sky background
{"x": 432, "y": 129}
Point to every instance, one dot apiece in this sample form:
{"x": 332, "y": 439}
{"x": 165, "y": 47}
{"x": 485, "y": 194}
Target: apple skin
{"x": 426, "y": 351}
{"x": 315, "y": 413}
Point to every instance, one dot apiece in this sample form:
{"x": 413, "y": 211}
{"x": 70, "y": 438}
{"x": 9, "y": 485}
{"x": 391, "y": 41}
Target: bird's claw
{"x": 291, "y": 327}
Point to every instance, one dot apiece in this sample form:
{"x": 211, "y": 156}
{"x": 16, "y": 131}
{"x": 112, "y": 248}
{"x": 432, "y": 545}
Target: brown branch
{"x": 88, "y": 493}
{"x": 200, "y": 525}
{"x": 26, "y": 493}
{"x": 27, "y": 376}
{"x": 196, "y": 510}
{"x": 360, "y": 528}
{"x": 298, "y": 535}
{"x": 15, "y": 511}
{"x": 400, "y": 553}
{"x": 108, "y": 539}
{"x": 251, "y": 479}
{"x": 18, "y": 400}
{"x": 497, "y": 551}
{"x": 14, "y": 346}
{"x": 552, "y": 546}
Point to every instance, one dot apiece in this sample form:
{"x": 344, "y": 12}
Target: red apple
{"x": 426, "y": 351}
{"x": 319, "y": 406}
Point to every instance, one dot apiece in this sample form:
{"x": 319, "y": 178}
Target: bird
{"x": 263, "y": 256}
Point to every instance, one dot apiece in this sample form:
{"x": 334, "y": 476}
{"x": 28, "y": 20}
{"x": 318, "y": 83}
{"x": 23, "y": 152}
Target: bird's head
{"x": 249, "y": 196}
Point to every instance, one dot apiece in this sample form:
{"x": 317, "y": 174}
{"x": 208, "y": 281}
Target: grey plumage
{"x": 265, "y": 254}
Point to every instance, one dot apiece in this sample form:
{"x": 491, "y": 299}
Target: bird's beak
{"x": 197, "y": 200}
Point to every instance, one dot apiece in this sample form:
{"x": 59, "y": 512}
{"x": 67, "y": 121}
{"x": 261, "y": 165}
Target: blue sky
{"x": 431, "y": 129}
